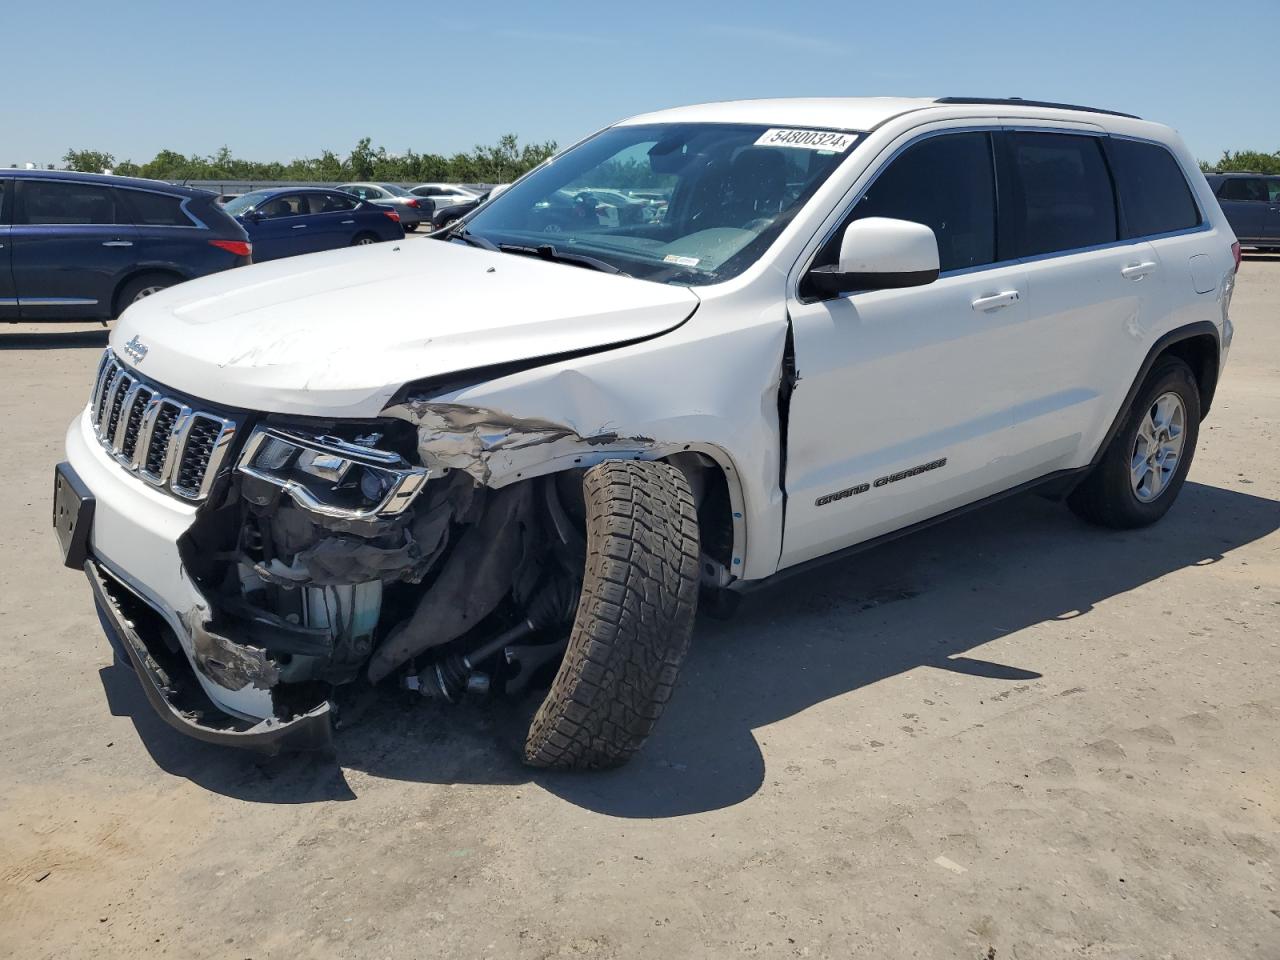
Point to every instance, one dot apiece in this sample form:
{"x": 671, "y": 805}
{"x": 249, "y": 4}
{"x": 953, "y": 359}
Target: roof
{"x": 841, "y": 113}
{"x": 157, "y": 186}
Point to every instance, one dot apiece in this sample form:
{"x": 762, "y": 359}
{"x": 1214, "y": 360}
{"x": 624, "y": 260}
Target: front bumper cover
{"x": 310, "y": 731}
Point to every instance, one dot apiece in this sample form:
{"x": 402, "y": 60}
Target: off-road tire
{"x": 633, "y": 623}
{"x": 1106, "y": 496}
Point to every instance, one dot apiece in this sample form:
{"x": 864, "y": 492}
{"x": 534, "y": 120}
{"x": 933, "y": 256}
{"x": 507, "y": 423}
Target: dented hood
{"x": 338, "y": 333}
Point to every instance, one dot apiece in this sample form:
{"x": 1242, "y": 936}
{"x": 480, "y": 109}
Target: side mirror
{"x": 253, "y": 216}
{"x": 878, "y": 254}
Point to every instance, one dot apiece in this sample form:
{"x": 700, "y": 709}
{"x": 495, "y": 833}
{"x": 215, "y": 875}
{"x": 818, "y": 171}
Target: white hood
{"x": 338, "y": 333}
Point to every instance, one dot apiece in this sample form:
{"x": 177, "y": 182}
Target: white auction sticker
{"x": 807, "y": 139}
{"x": 683, "y": 261}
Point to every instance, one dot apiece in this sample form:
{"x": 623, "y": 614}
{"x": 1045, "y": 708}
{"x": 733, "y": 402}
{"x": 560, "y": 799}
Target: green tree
{"x": 1253, "y": 161}
{"x": 88, "y": 161}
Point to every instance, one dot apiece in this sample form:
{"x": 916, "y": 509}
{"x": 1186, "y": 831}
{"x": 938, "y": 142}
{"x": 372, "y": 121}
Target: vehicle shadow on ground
{"x": 922, "y": 602}
{"x": 54, "y": 339}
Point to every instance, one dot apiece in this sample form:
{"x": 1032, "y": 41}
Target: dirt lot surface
{"x": 1011, "y": 736}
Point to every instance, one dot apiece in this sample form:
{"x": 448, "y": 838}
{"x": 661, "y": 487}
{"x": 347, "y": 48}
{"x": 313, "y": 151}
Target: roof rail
{"x": 1019, "y": 102}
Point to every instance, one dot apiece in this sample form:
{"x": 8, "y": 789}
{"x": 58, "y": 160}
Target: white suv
{"x": 844, "y": 319}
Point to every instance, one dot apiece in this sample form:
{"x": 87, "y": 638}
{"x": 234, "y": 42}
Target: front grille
{"x": 161, "y": 438}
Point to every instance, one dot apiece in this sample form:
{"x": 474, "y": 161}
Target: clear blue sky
{"x": 276, "y": 79}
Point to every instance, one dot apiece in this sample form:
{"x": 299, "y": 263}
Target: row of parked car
{"x": 86, "y": 246}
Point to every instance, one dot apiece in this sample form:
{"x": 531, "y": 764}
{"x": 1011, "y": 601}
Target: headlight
{"x": 332, "y": 476}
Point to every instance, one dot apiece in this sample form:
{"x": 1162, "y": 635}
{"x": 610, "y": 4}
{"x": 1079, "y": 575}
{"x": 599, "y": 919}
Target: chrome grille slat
{"x": 165, "y": 442}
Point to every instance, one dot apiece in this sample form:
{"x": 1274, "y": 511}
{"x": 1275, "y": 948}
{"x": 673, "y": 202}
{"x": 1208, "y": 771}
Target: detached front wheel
{"x": 633, "y": 623}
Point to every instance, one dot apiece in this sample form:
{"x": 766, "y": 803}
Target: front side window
{"x": 66, "y": 202}
{"x": 946, "y": 182}
{"x": 1153, "y": 192}
{"x": 289, "y": 205}
{"x": 684, "y": 203}
{"x": 1273, "y": 188}
{"x": 1063, "y": 195}
{"x": 1244, "y": 188}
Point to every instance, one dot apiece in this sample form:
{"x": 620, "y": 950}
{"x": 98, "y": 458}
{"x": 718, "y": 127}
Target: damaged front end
{"x": 345, "y": 551}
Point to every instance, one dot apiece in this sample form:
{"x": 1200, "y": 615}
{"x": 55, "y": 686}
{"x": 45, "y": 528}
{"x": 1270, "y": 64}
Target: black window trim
{"x": 184, "y": 205}
{"x": 1002, "y": 198}
{"x": 197, "y": 223}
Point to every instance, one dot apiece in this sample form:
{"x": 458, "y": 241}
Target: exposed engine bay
{"x": 343, "y": 551}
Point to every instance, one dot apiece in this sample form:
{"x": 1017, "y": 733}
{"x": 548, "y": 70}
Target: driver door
{"x": 905, "y": 398}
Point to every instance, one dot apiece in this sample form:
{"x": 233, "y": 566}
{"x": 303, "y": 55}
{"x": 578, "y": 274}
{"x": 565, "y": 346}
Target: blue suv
{"x": 85, "y": 246}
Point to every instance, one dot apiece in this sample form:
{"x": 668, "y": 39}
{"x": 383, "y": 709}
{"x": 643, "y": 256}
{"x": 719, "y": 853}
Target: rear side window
{"x": 1154, "y": 196}
{"x": 1273, "y": 188}
{"x": 155, "y": 209}
{"x": 947, "y": 183}
{"x": 1063, "y": 195}
{"x": 1244, "y": 188}
{"x": 66, "y": 202}
{"x": 332, "y": 202}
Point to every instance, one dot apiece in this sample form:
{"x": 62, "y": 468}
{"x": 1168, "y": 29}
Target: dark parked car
{"x": 85, "y": 246}
{"x": 284, "y": 222}
{"x": 1251, "y": 202}
{"x": 413, "y": 210}
{"x": 445, "y": 215}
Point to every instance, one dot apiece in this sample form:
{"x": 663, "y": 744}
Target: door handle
{"x": 299, "y": 226}
{"x": 996, "y": 300}
{"x": 117, "y": 243}
{"x": 1136, "y": 271}
{"x": 347, "y": 222}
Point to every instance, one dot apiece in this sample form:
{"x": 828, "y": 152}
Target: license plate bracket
{"x": 73, "y": 505}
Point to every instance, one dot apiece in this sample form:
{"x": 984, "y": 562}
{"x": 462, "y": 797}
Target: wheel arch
{"x": 1199, "y": 345}
{"x": 141, "y": 270}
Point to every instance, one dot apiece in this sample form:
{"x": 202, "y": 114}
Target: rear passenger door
{"x": 72, "y": 246}
{"x": 1092, "y": 294}
{"x": 8, "y": 296}
{"x": 1245, "y": 201}
{"x": 1271, "y": 229}
{"x": 332, "y": 220}
{"x": 166, "y": 232}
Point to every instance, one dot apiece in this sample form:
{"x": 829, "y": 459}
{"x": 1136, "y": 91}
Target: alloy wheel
{"x": 1157, "y": 449}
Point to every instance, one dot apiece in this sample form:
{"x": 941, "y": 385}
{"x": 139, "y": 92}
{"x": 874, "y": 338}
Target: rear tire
{"x": 410, "y": 227}
{"x": 364, "y": 239}
{"x": 141, "y": 287}
{"x": 634, "y": 619}
{"x": 1133, "y": 485}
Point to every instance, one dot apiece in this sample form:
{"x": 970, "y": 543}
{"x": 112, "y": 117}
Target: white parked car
{"x": 444, "y": 194}
{"x": 855, "y": 318}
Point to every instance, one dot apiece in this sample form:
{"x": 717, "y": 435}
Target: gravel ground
{"x": 1011, "y": 736}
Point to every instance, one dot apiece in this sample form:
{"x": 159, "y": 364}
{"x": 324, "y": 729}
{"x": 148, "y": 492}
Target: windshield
{"x": 690, "y": 203}
{"x": 246, "y": 201}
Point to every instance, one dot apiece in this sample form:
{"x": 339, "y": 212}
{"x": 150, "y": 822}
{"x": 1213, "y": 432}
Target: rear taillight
{"x": 1235, "y": 252}
{"x": 391, "y": 215}
{"x": 412, "y": 203}
{"x": 240, "y": 248}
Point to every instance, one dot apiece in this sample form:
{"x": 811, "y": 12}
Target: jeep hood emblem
{"x": 135, "y": 349}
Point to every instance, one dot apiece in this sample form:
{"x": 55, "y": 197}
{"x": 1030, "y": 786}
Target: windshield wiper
{"x": 547, "y": 252}
{"x": 466, "y": 236}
